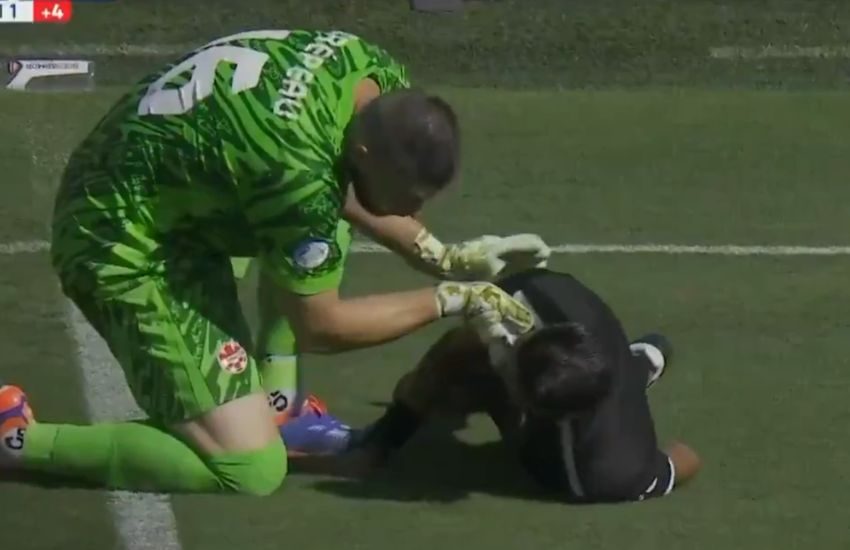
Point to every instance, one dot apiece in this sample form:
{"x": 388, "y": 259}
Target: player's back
{"x": 610, "y": 451}
{"x": 559, "y": 297}
{"x": 225, "y": 138}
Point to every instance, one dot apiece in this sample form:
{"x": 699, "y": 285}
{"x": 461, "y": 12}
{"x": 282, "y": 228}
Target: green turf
{"x": 38, "y": 353}
{"x": 37, "y": 349}
{"x": 759, "y": 387}
{"x": 513, "y": 43}
{"x": 612, "y": 166}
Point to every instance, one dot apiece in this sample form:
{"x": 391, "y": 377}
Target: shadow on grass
{"x": 438, "y": 467}
{"x": 43, "y": 480}
{"x": 435, "y": 467}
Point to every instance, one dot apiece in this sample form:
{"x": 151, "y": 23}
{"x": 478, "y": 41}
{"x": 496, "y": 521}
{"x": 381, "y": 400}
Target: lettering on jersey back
{"x": 296, "y": 85}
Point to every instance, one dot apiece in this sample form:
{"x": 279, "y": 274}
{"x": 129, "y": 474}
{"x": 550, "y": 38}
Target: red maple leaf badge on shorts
{"x": 232, "y": 357}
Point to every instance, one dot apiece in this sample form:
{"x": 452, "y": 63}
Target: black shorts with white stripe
{"x": 549, "y": 455}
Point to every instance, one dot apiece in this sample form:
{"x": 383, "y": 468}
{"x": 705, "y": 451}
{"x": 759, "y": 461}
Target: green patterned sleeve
{"x": 389, "y": 74}
{"x": 297, "y": 232}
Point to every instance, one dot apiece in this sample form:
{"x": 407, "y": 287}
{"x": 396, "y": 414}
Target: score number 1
{"x": 35, "y": 11}
{"x": 16, "y": 12}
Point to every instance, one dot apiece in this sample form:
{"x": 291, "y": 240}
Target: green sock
{"x": 279, "y": 367}
{"x": 137, "y": 456}
{"x": 132, "y": 456}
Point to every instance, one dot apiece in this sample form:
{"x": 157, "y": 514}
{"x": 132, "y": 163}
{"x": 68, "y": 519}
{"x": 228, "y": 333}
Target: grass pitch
{"x": 760, "y": 383}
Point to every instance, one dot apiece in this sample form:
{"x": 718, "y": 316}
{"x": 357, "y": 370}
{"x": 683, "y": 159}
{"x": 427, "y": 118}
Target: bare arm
{"x": 397, "y": 233}
{"x": 325, "y": 323}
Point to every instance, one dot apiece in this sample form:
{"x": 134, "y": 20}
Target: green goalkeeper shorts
{"x": 171, "y": 316}
{"x": 176, "y": 329}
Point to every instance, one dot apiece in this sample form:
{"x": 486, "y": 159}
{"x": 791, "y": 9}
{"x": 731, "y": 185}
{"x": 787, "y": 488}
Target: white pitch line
{"x": 143, "y": 521}
{"x": 23, "y": 247}
{"x": 125, "y": 50}
{"x": 29, "y": 247}
{"x": 707, "y": 250}
{"x": 147, "y": 522}
{"x": 767, "y": 51}
{"x": 787, "y": 51}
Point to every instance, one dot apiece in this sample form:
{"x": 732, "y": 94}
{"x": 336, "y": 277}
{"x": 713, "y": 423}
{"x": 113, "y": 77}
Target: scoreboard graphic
{"x": 36, "y": 11}
{"x": 50, "y": 74}
{"x": 46, "y": 71}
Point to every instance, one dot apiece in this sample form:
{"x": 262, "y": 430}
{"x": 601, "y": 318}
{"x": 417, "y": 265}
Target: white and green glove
{"x": 494, "y": 314}
{"x": 484, "y": 258}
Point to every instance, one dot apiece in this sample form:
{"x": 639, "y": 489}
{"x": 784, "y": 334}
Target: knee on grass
{"x": 255, "y": 473}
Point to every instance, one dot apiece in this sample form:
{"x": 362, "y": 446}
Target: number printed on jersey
{"x": 160, "y": 99}
{"x": 203, "y": 64}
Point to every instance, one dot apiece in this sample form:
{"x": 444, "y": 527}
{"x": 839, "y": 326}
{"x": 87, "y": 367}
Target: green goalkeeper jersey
{"x": 235, "y": 150}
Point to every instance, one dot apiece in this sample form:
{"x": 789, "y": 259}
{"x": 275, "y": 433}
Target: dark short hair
{"x": 420, "y": 135}
{"x": 560, "y": 371}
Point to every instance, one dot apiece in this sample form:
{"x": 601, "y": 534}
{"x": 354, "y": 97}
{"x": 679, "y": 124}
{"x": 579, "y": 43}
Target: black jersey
{"x": 610, "y": 453}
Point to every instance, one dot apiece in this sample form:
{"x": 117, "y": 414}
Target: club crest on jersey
{"x": 312, "y": 253}
{"x": 232, "y": 357}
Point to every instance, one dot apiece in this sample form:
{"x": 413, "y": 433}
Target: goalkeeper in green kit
{"x": 264, "y": 145}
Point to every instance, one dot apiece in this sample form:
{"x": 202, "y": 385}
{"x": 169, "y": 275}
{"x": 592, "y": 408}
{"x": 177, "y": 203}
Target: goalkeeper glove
{"x": 484, "y": 258}
{"x": 494, "y": 314}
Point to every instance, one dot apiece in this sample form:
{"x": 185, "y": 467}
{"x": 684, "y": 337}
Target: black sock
{"x": 394, "y": 429}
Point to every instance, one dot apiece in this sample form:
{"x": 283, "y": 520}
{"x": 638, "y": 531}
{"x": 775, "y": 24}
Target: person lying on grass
{"x": 569, "y": 398}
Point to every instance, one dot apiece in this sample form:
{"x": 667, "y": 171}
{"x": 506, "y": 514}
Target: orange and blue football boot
{"x": 15, "y": 417}
{"x": 314, "y": 431}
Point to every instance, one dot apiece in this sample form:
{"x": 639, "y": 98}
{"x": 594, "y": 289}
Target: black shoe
{"x": 658, "y": 350}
